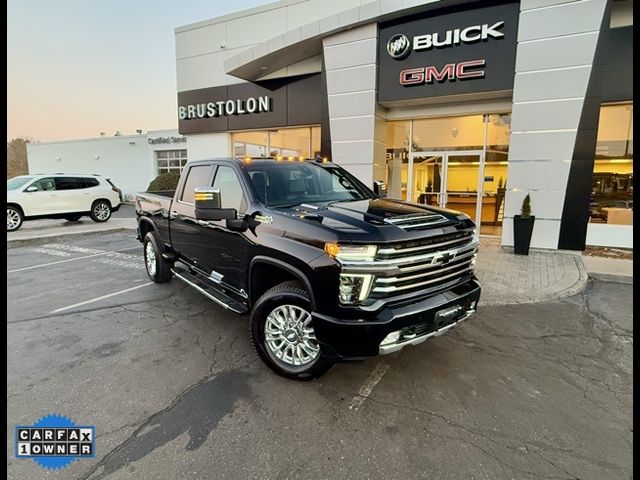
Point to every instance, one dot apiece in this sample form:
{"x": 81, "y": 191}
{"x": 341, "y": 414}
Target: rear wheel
{"x": 14, "y": 218}
{"x": 158, "y": 269}
{"x": 283, "y": 335}
{"x": 100, "y": 211}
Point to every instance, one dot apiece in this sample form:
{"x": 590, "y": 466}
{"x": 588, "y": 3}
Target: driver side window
{"x": 230, "y": 189}
{"x": 44, "y": 184}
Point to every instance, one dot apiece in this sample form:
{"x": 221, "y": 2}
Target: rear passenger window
{"x": 90, "y": 182}
{"x": 68, "y": 183}
{"x": 198, "y": 176}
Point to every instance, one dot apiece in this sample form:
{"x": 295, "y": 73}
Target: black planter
{"x": 522, "y": 230}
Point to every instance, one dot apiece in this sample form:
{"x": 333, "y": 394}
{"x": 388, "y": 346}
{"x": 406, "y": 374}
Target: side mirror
{"x": 380, "y": 188}
{"x": 31, "y": 189}
{"x": 207, "y": 203}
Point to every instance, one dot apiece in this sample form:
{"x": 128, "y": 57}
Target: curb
{"x": 21, "y": 242}
{"x": 609, "y": 277}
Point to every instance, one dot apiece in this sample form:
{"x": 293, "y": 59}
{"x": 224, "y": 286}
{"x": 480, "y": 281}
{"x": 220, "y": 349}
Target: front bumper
{"x": 414, "y": 322}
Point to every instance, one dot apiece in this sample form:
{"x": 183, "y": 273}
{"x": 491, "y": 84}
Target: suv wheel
{"x": 282, "y": 333}
{"x": 14, "y": 218}
{"x": 100, "y": 211}
{"x": 158, "y": 269}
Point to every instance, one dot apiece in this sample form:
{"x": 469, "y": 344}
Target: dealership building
{"x": 130, "y": 161}
{"x": 470, "y": 105}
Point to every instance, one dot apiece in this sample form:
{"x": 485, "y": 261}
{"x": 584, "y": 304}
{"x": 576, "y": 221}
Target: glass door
{"x": 426, "y": 183}
{"x": 462, "y": 175}
{"x": 447, "y": 180}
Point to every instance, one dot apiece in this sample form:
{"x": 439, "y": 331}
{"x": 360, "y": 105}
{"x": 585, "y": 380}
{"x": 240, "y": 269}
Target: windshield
{"x": 17, "y": 182}
{"x": 290, "y": 184}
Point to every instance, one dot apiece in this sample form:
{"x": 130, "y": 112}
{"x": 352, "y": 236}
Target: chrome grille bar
{"x": 419, "y": 284}
{"x": 403, "y": 251}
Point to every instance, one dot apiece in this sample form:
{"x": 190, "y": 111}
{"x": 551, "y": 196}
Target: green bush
{"x": 166, "y": 181}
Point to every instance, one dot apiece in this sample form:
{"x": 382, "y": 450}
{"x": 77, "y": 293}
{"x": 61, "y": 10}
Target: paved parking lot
{"x": 175, "y": 391}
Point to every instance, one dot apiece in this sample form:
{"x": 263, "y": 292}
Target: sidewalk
{"x": 542, "y": 275}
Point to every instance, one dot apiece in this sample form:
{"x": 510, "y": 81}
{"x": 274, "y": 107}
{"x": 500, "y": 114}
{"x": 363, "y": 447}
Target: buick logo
{"x": 399, "y": 46}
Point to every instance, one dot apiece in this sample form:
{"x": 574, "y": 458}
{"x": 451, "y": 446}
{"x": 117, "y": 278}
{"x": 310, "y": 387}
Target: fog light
{"x": 473, "y": 305}
{"x": 393, "y": 337}
{"x": 354, "y": 288}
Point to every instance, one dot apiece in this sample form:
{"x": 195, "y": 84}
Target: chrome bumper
{"x": 394, "y": 347}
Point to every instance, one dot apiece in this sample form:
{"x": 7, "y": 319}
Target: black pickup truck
{"x": 327, "y": 269}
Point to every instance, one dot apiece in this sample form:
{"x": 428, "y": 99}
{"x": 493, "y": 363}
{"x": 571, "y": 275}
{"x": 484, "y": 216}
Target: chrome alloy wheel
{"x": 101, "y": 211}
{"x": 150, "y": 259}
{"x": 13, "y": 219}
{"x": 289, "y": 336}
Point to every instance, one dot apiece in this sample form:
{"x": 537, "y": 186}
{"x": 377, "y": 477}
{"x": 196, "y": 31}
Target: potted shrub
{"x": 523, "y": 228}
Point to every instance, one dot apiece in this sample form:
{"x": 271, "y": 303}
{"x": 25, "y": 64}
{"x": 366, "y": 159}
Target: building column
{"x": 554, "y": 61}
{"x": 357, "y": 122}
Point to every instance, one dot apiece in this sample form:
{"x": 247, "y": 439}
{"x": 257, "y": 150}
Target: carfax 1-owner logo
{"x": 55, "y": 441}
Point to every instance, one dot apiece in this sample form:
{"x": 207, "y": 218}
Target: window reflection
{"x": 287, "y": 142}
{"x": 612, "y": 184}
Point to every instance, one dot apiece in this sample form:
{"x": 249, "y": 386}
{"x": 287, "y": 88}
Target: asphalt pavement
{"x": 175, "y": 390}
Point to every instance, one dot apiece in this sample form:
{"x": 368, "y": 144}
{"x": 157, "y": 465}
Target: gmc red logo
{"x": 451, "y": 71}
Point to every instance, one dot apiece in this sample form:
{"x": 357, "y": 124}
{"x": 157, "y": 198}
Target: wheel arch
{"x": 16, "y": 205}
{"x": 145, "y": 226}
{"x": 277, "y": 271}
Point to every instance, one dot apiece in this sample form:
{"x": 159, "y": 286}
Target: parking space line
{"x": 368, "y": 386}
{"x": 68, "y": 260}
{"x": 58, "y": 310}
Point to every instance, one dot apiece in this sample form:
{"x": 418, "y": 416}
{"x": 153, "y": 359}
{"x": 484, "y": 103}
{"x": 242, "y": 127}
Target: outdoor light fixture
{"x": 454, "y": 132}
{"x": 96, "y": 157}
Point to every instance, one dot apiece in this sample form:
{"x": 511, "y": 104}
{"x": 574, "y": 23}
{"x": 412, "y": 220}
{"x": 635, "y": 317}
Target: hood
{"x": 378, "y": 220}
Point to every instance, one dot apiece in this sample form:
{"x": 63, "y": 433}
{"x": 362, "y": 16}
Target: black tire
{"x": 15, "y": 218}
{"x": 291, "y": 294}
{"x": 162, "y": 272}
{"x": 73, "y": 218}
{"x": 100, "y": 211}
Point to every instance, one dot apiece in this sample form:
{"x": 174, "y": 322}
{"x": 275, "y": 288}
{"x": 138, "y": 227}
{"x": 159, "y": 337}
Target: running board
{"x": 208, "y": 291}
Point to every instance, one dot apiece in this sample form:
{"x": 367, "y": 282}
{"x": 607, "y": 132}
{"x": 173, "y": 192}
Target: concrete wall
{"x": 556, "y": 46}
{"x": 127, "y": 160}
{"x": 123, "y": 159}
{"x": 202, "y": 47}
{"x": 358, "y": 130}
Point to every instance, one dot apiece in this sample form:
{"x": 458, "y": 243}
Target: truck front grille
{"x": 418, "y": 265}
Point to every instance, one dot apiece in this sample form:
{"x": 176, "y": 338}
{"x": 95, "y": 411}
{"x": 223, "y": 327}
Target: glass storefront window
{"x": 612, "y": 185}
{"x": 250, "y": 144}
{"x": 395, "y": 170}
{"x": 448, "y": 133}
{"x": 285, "y": 141}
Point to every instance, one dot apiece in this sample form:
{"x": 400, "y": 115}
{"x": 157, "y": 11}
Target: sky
{"x": 80, "y": 67}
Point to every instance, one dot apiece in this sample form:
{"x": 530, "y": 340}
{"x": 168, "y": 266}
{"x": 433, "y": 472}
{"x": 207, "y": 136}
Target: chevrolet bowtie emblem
{"x": 444, "y": 258}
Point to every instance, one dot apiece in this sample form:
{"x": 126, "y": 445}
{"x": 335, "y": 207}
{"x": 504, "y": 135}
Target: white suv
{"x": 59, "y": 195}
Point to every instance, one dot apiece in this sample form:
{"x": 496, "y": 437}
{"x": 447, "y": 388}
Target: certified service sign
{"x": 55, "y": 441}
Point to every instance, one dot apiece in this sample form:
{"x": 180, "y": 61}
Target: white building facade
{"x": 467, "y": 105}
{"x": 130, "y": 161}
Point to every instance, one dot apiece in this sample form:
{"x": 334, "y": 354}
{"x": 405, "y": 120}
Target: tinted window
{"x": 230, "y": 189}
{"x": 68, "y": 183}
{"x": 44, "y": 184}
{"x": 292, "y": 183}
{"x": 198, "y": 176}
{"x": 89, "y": 182}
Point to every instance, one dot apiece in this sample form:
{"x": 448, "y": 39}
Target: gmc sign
{"x": 451, "y": 71}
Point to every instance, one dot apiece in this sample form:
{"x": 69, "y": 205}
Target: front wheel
{"x": 100, "y": 211}
{"x": 282, "y": 333}
{"x": 158, "y": 269}
{"x": 14, "y": 218}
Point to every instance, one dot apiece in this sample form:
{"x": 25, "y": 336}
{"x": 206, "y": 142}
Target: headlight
{"x": 354, "y": 287}
{"x": 363, "y": 253}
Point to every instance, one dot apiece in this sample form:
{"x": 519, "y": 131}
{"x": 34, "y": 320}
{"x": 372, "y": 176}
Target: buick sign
{"x": 399, "y": 46}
